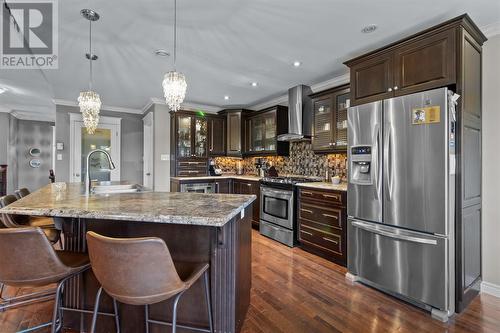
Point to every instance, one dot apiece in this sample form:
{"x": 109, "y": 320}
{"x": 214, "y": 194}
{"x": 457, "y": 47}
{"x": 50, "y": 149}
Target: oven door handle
{"x": 277, "y": 193}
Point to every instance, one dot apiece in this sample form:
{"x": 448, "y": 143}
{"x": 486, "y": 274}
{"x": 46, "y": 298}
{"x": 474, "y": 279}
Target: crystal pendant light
{"x": 174, "y": 83}
{"x": 89, "y": 101}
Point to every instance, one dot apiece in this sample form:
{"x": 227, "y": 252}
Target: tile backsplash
{"x": 302, "y": 161}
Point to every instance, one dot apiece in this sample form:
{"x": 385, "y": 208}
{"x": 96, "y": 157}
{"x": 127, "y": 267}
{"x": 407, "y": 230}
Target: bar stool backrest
{"x": 9, "y": 220}
{"x": 21, "y": 193}
{"x": 134, "y": 270}
{"x": 27, "y": 258}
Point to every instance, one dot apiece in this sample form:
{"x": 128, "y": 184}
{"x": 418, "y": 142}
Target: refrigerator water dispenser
{"x": 361, "y": 159}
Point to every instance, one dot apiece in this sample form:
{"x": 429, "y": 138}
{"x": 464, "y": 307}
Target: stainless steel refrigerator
{"x": 401, "y": 194}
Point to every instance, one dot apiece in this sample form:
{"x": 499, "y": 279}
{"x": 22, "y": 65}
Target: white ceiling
{"x": 223, "y": 46}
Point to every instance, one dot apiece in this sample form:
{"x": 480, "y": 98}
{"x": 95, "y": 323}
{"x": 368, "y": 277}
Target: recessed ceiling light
{"x": 369, "y": 28}
{"x": 2, "y": 90}
{"x": 296, "y": 63}
{"x": 254, "y": 84}
{"x": 162, "y": 53}
{"x": 226, "y": 97}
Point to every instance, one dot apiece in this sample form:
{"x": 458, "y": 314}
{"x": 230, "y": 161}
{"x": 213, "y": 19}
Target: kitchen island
{"x": 214, "y": 228}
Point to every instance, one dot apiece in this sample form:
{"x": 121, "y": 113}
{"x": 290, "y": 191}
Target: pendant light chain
{"x": 175, "y": 32}
{"x": 174, "y": 83}
{"x": 90, "y": 53}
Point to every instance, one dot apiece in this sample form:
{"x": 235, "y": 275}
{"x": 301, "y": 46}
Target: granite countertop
{"x": 325, "y": 186}
{"x": 223, "y": 176}
{"x": 160, "y": 207}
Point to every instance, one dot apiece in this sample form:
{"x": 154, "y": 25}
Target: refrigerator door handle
{"x": 379, "y": 231}
{"x": 375, "y": 161}
{"x": 389, "y": 161}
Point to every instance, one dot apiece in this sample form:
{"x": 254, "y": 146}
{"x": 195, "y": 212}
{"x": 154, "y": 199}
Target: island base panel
{"x": 227, "y": 248}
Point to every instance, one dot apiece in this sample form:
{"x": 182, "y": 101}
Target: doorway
{"x": 106, "y": 137}
{"x": 148, "y": 177}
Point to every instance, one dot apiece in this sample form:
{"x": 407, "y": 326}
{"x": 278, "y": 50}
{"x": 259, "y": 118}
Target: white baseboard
{"x": 490, "y": 289}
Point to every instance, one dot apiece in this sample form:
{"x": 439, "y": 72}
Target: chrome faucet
{"x": 88, "y": 183}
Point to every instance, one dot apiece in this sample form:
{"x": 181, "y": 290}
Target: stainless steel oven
{"x": 277, "y": 214}
{"x": 198, "y": 187}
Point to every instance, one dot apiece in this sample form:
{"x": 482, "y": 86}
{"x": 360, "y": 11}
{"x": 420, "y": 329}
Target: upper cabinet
{"x": 234, "y": 130}
{"x": 330, "y": 119}
{"x": 419, "y": 63}
{"x": 194, "y": 138}
{"x": 261, "y": 130}
{"x": 216, "y": 136}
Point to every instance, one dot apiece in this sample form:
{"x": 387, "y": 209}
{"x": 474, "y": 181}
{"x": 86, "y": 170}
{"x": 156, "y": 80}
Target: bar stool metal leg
{"x": 174, "y": 312}
{"x": 209, "y": 301}
{"x": 96, "y": 309}
{"x": 146, "y": 312}
{"x": 117, "y": 318}
{"x": 57, "y": 303}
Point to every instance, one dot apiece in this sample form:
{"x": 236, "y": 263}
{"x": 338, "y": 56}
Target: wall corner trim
{"x": 490, "y": 289}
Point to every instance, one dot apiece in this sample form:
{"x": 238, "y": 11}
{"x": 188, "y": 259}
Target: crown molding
{"x": 320, "y": 86}
{"x": 190, "y": 106}
{"x": 491, "y": 30}
{"x": 4, "y": 110}
{"x": 32, "y": 115}
{"x": 103, "y": 107}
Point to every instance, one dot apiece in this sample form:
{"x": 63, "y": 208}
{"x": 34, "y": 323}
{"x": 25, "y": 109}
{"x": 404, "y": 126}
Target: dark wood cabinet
{"x": 216, "y": 136}
{"x": 234, "y": 131}
{"x": 330, "y": 120}
{"x": 262, "y": 129}
{"x": 425, "y": 63}
{"x": 223, "y": 186}
{"x": 249, "y": 187}
{"x": 322, "y": 223}
{"x": 372, "y": 79}
{"x": 421, "y": 62}
{"x": 194, "y": 138}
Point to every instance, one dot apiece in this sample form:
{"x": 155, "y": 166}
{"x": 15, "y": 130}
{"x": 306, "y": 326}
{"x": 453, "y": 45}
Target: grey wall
{"x": 161, "y": 129}
{"x": 4, "y": 137}
{"x": 12, "y": 156}
{"x": 33, "y": 134}
{"x": 491, "y": 161}
{"x": 131, "y": 143}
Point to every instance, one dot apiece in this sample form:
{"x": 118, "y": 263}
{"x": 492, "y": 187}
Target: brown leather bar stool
{"x": 20, "y": 221}
{"x": 28, "y": 260}
{"x": 22, "y": 192}
{"x": 140, "y": 271}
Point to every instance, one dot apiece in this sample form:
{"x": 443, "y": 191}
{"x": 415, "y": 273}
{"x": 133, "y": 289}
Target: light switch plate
{"x": 59, "y": 157}
{"x": 164, "y": 157}
{"x": 242, "y": 214}
{"x": 60, "y": 146}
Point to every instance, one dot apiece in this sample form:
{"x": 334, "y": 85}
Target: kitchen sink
{"x": 107, "y": 188}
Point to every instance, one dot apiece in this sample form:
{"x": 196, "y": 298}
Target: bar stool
{"x": 28, "y": 260}
{"x": 22, "y": 192}
{"x": 20, "y": 221}
{"x": 140, "y": 271}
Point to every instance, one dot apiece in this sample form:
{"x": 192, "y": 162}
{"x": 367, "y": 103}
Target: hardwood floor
{"x": 294, "y": 291}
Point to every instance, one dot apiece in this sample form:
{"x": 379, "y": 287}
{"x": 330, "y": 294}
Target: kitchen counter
{"x": 224, "y": 176}
{"x": 159, "y": 207}
{"x": 324, "y": 186}
{"x": 211, "y": 228}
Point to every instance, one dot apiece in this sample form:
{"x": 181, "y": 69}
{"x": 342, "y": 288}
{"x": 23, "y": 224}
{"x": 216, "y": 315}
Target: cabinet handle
{"x": 306, "y": 210}
{"x": 389, "y": 90}
{"x": 396, "y": 88}
{"x": 330, "y": 196}
{"x": 248, "y": 184}
{"x": 332, "y": 216}
{"x": 306, "y": 232}
{"x": 306, "y": 193}
{"x": 331, "y": 240}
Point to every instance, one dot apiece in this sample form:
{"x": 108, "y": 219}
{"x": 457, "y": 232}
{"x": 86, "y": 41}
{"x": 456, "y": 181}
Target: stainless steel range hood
{"x": 300, "y": 115}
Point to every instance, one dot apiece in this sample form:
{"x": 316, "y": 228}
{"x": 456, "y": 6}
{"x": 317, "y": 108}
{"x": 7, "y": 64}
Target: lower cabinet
{"x": 241, "y": 186}
{"x": 322, "y": 223}
{"x": 223, "y": 185}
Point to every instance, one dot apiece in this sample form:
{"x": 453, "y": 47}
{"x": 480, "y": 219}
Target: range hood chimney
{"x": 300, "y": 115}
